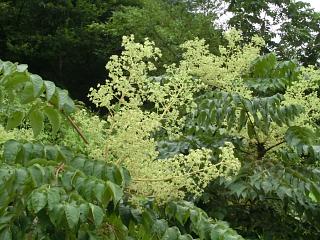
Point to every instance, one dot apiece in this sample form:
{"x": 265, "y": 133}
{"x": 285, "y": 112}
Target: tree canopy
{"x": 290, "y": 28}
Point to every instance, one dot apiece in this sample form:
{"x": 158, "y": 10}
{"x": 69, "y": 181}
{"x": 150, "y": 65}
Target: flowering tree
{"x": 235, "y": 134}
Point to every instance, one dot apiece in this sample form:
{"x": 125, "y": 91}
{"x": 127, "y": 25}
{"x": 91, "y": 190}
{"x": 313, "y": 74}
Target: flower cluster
{"x": 229, "y": 164}
{"x": 224, "y": 71}
{"x": 304, "y": 92}
{"x": 131, "y": 126}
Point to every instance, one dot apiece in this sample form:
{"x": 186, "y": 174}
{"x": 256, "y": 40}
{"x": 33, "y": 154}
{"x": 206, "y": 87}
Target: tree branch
{"x": 75, "y": 126}
{"x": 78, "y": 130}
{"x": 269, "y": 148}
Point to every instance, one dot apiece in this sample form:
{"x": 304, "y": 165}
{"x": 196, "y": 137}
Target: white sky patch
{"x": 314, "y": 4}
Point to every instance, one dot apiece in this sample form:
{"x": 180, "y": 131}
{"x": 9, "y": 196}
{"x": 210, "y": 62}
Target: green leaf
{"x": 116, "y": 192}
{"x": 22, "y": 67}
{"x": 237, "y": 188}
{"x": 37, "y": 84}
{"x": 172, "y": 233}
{"x": 78, "y": 162}
{"x": 27, "y": 149}
{"x": 266, "y": 186}
{"x": 66, "y": 180}
{"x": 185, "y": 237}
{"x": 51, "y": 152}
{"x": 64, "y": 101}
{"x": 159, "y": 226}
{"x": 97, "y": 214}
{"x": 119, "y": 178}
{"x": 16, "y": 79}
{"x": 214, "y": 235}
{"x": 50, "y": 89}
{"x": 6, "y": 234}
{"x": 243, "y": 119}
{"x": 53, "y": 117}
{"x": 36, "y": 120}
{"x": 7, "y": 67}
{"x": 11, "y": 150}
{"x": 36, "y": 173}
{"x": 171, "y": 209}
{"x": 21, "y": 179}
{"x": 57, "y": 214}
{"x": 27, "y": 95}
{"x": 299, "y": 136}
{"x": 72, "y": 214}
{"x": 283, "y": 192}
{"x": 38, "y": 200}
{"x": 100, "y": 192}
{"x": 182, "y": 214}
{"x": 251, "y": 131}
{"x": 84, "y": 212}
{"x": 15, "y": 120}
{"x": 203, "y": 228}
{"x": 115, "y": 221}
{"x": 53, "y": 197}
{"x": 264, "y": 65}
{"x": 125, "y": 176}
{"x": 248, "y": 105}
{"x": 315, "y": 193}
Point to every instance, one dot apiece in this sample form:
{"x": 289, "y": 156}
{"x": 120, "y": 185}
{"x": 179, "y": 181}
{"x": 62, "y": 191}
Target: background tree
{"x": 54, "y": 38}
{"x": 69, "y": 42}
{"x": 167, "y": 23}
{"x": 289, "y": 28}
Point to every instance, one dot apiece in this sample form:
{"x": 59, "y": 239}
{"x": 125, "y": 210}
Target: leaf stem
{"x": 75, "y": 126}
{"x": 269, "y": 148}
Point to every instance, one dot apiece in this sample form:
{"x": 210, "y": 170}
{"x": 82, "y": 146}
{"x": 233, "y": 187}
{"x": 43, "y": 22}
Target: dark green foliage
{"x": 268, "y": 76}
{"x": 186, "y": 214}
{"x": 38, "y": 178}
{"x": 304, "y": 141}
{"x": 56, "y": 40}
{"x": 53, "y": 193}
{"x": 276, "y": 201}
{"x": 256, "y": 113}
{"x": 183, "y": 221}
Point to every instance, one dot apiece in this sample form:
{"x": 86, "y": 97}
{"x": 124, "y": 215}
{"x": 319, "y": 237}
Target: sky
{"x": 314, "y": 3}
